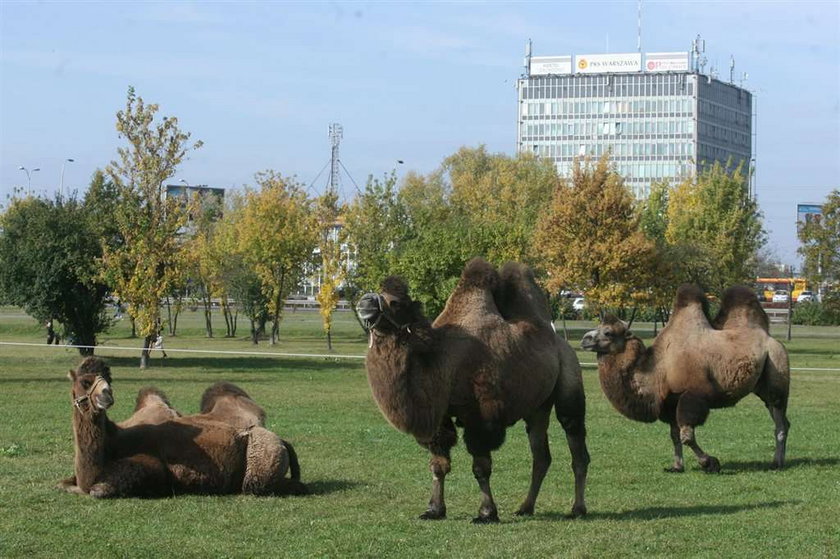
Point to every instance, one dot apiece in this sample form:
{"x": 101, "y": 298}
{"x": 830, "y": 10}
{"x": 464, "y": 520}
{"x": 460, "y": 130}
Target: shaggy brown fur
{"x": 490, "y": 359}
{"x": 193, "y": 454}
{"x": 693, "y": 367}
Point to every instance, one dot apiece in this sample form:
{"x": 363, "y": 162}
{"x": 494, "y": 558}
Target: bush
{"x": 812, "y": 313}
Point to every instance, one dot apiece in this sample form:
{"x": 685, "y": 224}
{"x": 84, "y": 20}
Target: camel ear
{"x": 628, "y": 334}
{"x": 71, "y": 375}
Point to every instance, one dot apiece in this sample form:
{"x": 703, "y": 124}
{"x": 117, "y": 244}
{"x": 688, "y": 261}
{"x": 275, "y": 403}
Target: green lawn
{"x": 369, "y": 482}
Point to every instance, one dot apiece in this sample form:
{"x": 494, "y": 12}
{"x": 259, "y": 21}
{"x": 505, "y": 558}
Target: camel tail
{"x": 739, "y": 308}
{"x": 294, "y": 465}
{"x": 570, "y": 400}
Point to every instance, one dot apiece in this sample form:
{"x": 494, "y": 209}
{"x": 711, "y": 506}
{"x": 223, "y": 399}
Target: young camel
{"x": 693, "y": 367}
{"x": 490, "y": 359}
{"x": 180, "y": 455}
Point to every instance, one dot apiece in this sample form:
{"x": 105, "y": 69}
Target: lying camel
{"x": 192, "y": 454}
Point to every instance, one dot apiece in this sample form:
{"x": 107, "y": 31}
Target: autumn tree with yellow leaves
{"x": 278, "y": 233}
{"x": 332, "y": 271}
{"x": 142, "y": 268}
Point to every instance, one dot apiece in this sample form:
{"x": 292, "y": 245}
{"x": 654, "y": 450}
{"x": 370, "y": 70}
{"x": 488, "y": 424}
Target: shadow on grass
{"x": 327, "y": 486}
{"x": 656, "y": 513}
{"x": 761, "y": 466}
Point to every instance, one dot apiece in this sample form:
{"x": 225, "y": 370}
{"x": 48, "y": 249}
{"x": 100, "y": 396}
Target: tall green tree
{"x": 48, "y": 265}
{"x": 717, "y": 228}
{"x": 590, "y": 239}
{"x": 142, "y": 270}
{"x": 820, "y": 243}
{"x": 278, "y": 233}
{"x": 333, "y": 265}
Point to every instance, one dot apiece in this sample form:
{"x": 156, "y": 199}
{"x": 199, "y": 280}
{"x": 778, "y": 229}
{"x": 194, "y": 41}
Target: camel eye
{"x": 85, "y": 384}
{"x": 609, "y": 334}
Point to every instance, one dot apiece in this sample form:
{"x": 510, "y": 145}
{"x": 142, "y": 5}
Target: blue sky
{"x": 259, "y": 83}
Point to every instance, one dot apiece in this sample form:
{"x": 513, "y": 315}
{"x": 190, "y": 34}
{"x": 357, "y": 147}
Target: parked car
{"x": 578, "y": 304}
{"x": 805, "y": 296}
{"x": 780, "y": 296}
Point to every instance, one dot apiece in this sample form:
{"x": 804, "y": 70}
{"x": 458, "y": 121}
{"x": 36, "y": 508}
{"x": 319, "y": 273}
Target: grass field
{"x": 369, "y": 482}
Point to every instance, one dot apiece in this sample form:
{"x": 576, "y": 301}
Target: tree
{"x": 331, "y": 238}
{"x": 716, "y": 224}
{"x": 48, "y": 266}
{"x": 277, "y": 236}
{"x": 142, "y": 270}
{"x": 589, "y": 239}
{"x": 820, "y": 240}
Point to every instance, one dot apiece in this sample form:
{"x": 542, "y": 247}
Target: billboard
{"x": 542, "y": 65}
{"x": 666, "y": 61}
{"x": 600, "y": 63}
{"x": 806, "y": 213}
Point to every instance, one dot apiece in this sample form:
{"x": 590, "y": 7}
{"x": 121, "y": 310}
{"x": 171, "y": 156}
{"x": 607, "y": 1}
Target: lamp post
{"x": 28, "y": 177}
{"x": 61, "y": 182}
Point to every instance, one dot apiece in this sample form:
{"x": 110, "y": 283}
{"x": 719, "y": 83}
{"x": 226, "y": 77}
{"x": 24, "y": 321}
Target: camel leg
{"x": 139, "y": 475}
{"x": 679, "y": 465}
{"x": 482, "y": 468}
{"x": 778, "y": 409}
{"x": 440, "y": 465}
{"x": 575, "y": 429}
{"x": 693, "y": 410}
{"x": 537, "y": 429}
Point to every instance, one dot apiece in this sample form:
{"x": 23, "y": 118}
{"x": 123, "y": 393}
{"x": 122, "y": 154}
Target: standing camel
{"x": 490, "y": 359}
{"x": 192, "y": 454}
{"x": 693, "y": 367}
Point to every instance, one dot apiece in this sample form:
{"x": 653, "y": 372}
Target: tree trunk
{"x": 254, "y": 332}
{"x": 147, "y": 349}
{"x": 329, "y": 340}
{"x": 169, "y": 316}
{"x": 133, "y": 328}
{"x": 208, "y": 323}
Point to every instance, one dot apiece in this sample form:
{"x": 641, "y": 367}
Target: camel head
{"x": 91, "y": 386}
{"x": 608, "y": 338}
{"x": 391, "y": 310}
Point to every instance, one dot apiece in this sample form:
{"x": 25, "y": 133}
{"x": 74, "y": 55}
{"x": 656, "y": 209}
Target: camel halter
{"x": 77, "y": 402}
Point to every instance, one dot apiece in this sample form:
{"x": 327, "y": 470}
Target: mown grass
{"x": 369, "y": 482}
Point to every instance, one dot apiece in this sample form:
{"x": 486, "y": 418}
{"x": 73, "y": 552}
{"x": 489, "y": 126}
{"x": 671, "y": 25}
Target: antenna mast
{"x": 639, "y": 35}
{"x": 336, "y": 133}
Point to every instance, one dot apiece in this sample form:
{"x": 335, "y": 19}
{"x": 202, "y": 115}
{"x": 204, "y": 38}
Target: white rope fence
{"x": 275, "y": 354}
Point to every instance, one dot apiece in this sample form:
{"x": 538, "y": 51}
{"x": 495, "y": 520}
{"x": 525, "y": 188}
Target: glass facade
{"x": 657, "y": 126}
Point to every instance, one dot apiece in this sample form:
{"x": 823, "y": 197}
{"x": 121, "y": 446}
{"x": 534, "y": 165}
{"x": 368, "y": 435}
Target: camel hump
{"x": 739, "y": 308}
{"x": 479, "y": 274}
{"x": 519, "y": 296}
{"x": 690, "y": 295}
{"x": 218, "y": 390}
{"x": 147, "y": 394}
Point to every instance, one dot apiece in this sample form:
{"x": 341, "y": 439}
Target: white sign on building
{"x": 600, "y": 63}
{"x": 666, "y": 61}
{"x": 543, "y": 65}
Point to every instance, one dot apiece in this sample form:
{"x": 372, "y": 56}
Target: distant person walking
{"x": 51, "y": 334}
{"x": 159, "y": 339}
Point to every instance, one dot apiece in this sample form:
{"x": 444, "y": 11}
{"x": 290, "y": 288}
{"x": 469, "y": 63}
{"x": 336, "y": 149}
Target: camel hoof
{"x": 101, "y": 491}
{"x": 577, "y": 511}
{"x": 525, "y": 511}
{"x": 674, "y": 470}
{"x": 711, "y": 465}
{"x": 777, "y": 466}
{"x": 491, "y": 518}
{"x": 432, "y": 514}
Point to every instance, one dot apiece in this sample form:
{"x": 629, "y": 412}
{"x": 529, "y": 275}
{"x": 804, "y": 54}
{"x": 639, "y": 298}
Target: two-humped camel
{"x": 490, "y": 359}
{"x": 157, "y": 452}
{"x": 695, "y": 365}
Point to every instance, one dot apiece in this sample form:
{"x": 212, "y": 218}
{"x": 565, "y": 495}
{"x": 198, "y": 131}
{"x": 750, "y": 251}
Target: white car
{"x": 578, "y": 304}
{"x": 805, "y": 296}
{"x": 780, "y": 296}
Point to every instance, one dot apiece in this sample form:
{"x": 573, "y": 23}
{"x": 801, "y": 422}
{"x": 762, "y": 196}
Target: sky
{"x": 260, "y": 82}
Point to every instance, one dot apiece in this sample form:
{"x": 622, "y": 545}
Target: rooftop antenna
{"x": 731, "y": 69}
{"x": 639, "y": 34}
{"x": 698, "y": 47}
{"x": 336, "y": 133}
{"x": 744, "y": 78}
{"x": 528, "y": 58}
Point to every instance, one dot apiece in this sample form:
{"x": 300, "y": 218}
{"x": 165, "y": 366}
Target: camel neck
{"x": 409, "y": 382}
{"x": 628, "y": 383}
{"x": 90, "y": 433}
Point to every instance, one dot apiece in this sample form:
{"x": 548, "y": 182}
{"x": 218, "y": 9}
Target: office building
{"x": 659, "y": 115}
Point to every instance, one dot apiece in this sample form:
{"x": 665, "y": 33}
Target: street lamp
{"x": 61, "y": 182}
{"x": 28, "y": 177}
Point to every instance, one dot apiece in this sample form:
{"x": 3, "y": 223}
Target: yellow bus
{"x": 768, "y": 286}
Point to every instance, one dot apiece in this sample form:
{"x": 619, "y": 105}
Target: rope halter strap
{"x": 84, "y": 399}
